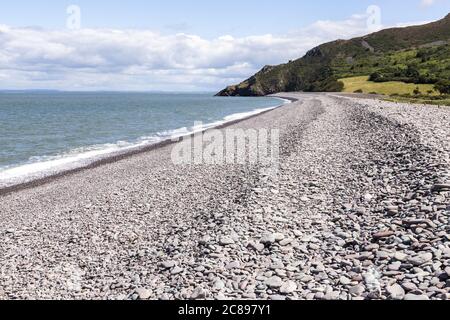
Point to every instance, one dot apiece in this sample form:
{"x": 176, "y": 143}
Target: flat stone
{"x": 225, "y": 241}
{"x": 307, "y": 279}
{"x": 249, "y": 295}
{"x": 205, "y": 240}
{"x": 288, "y": 287}
{"x": 382, "y": 254}
{"x": 233, "y": 265}
{"x": 383, "y": 234}
{"x": 277, "y": 297}
{"x": 285, "y": 242}
{"x": 413, "y": 297}
{"x": 268, "y": 238}
{"x": 372, "y": 247}
{"x": 256, "y": 246}
{"x": 392, "y": 209}
{"x": 396, "y": 292}
{"x": 344, "y": 281}
{"x": 198, "y": 294}
{"x": 395, "y": 266}
{"x": 441, "y": 187}
{"x": 168, "y": 264}
{"x": 279, "y": 237}
{"x": 332, "y": 295}
{"x": 176, "y": 270}
{"x": 421, "y": 258}
{"x": 409, "y": 286}
{"x": 419, "y": 222}
{"x": 143, "y": 294}
{"x": 218, "y": 284}
{"x": 400, "y": 256}
{"x": 274, "y": 282}
{"x": 319, "y": 296}
{"x": 357, "y": 290}
{"x": 277, "y": 265}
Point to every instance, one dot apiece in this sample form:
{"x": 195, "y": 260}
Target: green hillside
{"x": 418, "y": 55}
{"x": 363, "y": 85}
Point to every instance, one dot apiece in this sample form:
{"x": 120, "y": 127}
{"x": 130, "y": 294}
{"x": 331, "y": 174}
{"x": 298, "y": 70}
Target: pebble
{"x": 344, "y": 280}
{"x": 395, "y": 266}
{"x": 143, "y": 293}
{"x": 225, "y": 241}
{"x": 168, "y": 264}
{"x": 421, "y": 258}
{"x": 357, "y": 290}
{"x": 198, "y": 294}
{"x": 441, "y": 187}
{"x": 274, "y": 282}
{"x": 414, "y": 297}
{"x": 257, "y": 246}
{"x": 400, "y": 256}
{"x": 409, "y": 286}
{"x": 288, "y": 287}
{"x": 383, "y": 234}
{"x": 268, "y": 239}
{"x": 396, "y": 292}
{"x": 233, "y": 265}
{"x": 176, "y": 270}
{"x": 218, "y": 284}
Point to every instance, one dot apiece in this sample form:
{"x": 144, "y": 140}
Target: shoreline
{"x": 121, "y": 155}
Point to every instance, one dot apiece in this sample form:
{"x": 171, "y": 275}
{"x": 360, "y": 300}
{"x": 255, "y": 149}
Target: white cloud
{"x": 93, "y": 59}
{"x": 427, "y": 3}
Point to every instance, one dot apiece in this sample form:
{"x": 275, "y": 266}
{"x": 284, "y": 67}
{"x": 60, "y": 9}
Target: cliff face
{"x": 321, "y": 67}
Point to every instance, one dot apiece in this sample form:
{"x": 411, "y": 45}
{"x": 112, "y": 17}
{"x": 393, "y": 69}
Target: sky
{"x": 177, "y": 45}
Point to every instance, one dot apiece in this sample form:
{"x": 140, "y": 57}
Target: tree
{"x": 376, "y": 77}
{"x": 412, "y": 72}
{"x": 443, "y": 86}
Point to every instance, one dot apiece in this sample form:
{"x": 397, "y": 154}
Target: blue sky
{"x": 209, "y": 18}
{"x": 176, "y": 44}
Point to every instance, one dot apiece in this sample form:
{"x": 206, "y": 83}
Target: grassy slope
{"x": 387, "y": 88}
{"x": 395, "y": 90}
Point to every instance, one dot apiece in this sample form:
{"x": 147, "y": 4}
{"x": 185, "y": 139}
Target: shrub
{"x": 443, "y": 86}
{"x": 376, "y": 77}
{"x": 416, "y": 91}
{"x": 412, "y": 72}
{"x": 358, "y": 91}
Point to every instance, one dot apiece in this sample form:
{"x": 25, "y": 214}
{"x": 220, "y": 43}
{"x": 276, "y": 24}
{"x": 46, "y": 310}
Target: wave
{"x": 44, "y": 166}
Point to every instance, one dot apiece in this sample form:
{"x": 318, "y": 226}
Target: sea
{"x": 44, "y": 133}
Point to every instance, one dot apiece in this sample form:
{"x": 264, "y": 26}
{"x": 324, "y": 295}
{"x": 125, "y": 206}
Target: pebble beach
{"x": 359, "y": 210}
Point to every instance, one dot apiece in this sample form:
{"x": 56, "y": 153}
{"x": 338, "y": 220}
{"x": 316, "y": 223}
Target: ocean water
{"x": 46, "y": 132}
